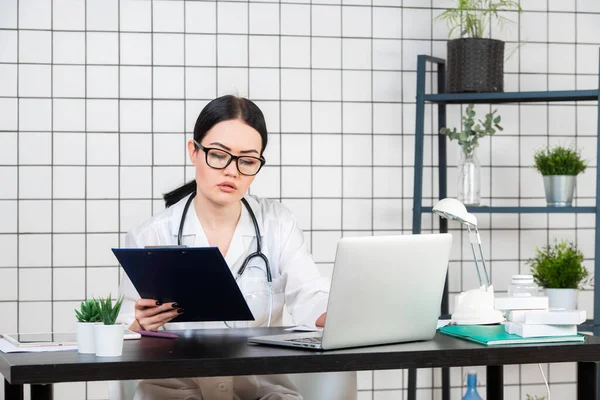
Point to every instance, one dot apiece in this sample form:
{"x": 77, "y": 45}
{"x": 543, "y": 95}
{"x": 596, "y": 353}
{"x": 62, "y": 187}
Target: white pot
{"x": 85, "y": 337}
{"x": 109, "y": 340}
{"x": 562, "y": 298}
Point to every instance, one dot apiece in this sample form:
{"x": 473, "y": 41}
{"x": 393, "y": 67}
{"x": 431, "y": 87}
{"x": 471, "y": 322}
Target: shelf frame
{"x": 513, "y": 97}
{"x": 525, "y": 210}
{"x": 442, "y": 99}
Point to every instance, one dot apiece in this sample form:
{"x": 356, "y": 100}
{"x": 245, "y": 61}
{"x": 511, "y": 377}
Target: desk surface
{"x": 226, "y": 352}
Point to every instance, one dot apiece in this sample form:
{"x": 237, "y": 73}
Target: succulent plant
{"x": 88, "y": 311}
{"x": 108, "y": 311}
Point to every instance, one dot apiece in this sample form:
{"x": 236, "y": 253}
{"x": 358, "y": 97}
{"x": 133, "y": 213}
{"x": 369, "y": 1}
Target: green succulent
{"x": 88, "y": 311}
{"x": 108, "y": 311}
{"x": 536, "y": 397}
{"x": 559, "y": 161}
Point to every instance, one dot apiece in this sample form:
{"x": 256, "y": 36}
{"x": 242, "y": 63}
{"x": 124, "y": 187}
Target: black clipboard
{"x": 197, "y": 278}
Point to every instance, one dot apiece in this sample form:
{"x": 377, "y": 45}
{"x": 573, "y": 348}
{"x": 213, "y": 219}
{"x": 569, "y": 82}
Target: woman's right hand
{"x": 151, "y": 314}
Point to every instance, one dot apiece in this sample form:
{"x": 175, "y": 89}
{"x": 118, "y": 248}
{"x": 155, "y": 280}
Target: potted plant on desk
{"x": 87, "y": 316}
{"x": 109, "y": 334}
{"x": 469, "y": 168}
{"x": 559, "y": 167}
{"x": 559, "y": 270}
{"x": 475, "y": 63}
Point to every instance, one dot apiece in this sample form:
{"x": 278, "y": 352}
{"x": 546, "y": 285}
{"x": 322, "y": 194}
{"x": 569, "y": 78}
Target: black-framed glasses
{"x": 220, "y": 159}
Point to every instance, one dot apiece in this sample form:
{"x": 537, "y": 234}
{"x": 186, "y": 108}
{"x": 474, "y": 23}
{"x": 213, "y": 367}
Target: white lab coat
{"x": 296, "y": 283}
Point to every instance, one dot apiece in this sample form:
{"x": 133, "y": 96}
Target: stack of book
{"x": 531, "y": 317}
{"x": 529, "y": 320}
{"x": 542, "y": 323}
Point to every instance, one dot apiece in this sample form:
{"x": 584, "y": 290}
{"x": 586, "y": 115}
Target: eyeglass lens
{"x": 219, "y": 159}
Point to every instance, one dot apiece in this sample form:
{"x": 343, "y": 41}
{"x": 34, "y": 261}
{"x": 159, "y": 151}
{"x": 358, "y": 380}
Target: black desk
{"x": 226, "y": 352}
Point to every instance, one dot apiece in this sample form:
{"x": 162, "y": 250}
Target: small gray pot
{"x": 559, "y": 190}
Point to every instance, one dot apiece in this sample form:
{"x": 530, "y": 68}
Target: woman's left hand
{"x": 321, "y": 320}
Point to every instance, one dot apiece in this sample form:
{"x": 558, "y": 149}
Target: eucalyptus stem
{"x": 469, "y": 137}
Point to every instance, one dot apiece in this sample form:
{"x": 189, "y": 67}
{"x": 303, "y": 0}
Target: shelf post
{"x": 419, "y": 139}
{"x": 443, "y": 193}
{"x": 596, "y": 329}
{"x": 418, "y": 180}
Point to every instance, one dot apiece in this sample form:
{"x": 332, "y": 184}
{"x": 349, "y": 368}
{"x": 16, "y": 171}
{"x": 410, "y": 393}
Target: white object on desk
{"x": 86, "y": 343}
{"x": 476, "y": 307}
{"x": 108, "y": 340}
{"x": 547, "y": 317}
{"x": 46, "y": 341}
{"x": 7, "y": 347}
{"x": 522, "y": 303}
{"x": 540, "y": 330}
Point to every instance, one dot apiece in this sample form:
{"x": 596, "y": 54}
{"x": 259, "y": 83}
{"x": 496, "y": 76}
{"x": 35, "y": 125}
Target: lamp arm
{"x": 475, "y": 258}
{"x": 478, "y": 239}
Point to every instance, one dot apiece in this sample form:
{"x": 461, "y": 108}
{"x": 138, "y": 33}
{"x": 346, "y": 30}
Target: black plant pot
{"x": 475, "y": 65}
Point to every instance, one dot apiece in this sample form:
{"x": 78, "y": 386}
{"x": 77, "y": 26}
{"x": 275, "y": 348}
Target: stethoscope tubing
{"x": 258, "y": 253}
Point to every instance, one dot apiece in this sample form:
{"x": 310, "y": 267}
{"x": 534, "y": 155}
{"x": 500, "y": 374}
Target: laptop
{"x": 384, "y": 289}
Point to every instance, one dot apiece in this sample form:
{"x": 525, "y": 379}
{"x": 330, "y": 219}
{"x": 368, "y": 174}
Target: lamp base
{"x": 476, "y": 307}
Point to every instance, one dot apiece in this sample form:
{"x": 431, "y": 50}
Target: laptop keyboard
{"x": 315, "y": 340}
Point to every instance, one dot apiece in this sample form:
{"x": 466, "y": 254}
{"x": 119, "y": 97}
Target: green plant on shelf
{"x": 536, "y": 397}
{"x": 558, "y": 266}
{"x": 469, "y": 137}
{"x": 559, "y": 160}
{"x": 471, "y": 17}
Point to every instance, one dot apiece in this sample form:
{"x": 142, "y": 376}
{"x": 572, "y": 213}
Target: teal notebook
{"x": 490, "y": 335}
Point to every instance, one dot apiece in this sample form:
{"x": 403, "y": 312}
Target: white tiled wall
{"x": 98, "y": 97}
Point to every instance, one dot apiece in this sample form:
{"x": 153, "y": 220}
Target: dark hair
{"x": 221, "y": 109}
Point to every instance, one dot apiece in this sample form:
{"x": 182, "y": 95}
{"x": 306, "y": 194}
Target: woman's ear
{"x": 192, "y": 151}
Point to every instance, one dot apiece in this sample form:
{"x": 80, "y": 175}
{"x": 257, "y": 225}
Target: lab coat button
{"x": 222, "y": 387}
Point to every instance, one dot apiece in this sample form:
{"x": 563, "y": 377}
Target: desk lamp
{"x": 475, "y": 306}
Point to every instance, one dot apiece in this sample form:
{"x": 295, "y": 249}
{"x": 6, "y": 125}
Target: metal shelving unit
{"x": 442, "y": 99}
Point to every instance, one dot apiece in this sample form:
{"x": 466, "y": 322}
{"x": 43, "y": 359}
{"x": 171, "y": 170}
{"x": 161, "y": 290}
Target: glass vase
{"x": 469, "y": 177}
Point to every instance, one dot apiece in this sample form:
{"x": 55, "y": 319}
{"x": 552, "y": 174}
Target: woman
{"x": 230, "y": 137}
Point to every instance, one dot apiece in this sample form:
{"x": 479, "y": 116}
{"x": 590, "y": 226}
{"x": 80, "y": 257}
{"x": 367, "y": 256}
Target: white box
{"x": 547, "y": 317}
{"x": 539, "y": 330}
{"x": 521, "y": 303}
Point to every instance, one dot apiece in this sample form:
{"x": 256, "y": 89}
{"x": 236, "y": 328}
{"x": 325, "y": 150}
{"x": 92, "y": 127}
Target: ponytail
{"x": 175, "y": 195}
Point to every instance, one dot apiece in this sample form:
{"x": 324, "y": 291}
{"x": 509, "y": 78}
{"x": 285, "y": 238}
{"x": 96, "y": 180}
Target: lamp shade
{"x": 455, "y": 210}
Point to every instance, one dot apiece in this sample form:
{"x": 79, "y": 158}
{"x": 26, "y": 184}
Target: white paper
{"x": 7, "y": 347}
{"x": 304, "y": 328}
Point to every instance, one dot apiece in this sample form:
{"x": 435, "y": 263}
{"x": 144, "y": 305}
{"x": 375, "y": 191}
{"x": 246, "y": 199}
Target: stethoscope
{"x": 258, "y": 253}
